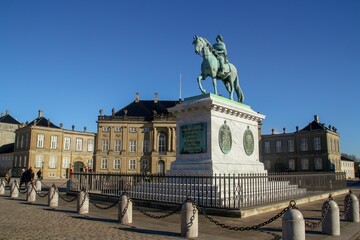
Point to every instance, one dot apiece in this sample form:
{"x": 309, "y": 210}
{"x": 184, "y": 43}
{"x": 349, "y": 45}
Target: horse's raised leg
{"x": 215, "y": 86}
{"x": 199, "y": 79}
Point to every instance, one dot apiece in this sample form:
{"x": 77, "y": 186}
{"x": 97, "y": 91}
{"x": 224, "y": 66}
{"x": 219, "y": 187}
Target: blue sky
{"x": 71, "y": 58}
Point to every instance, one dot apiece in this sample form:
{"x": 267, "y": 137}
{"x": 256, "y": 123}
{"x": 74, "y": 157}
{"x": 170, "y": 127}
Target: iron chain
{"x": 323, "y": 216}
{"x": 83, "y": 201}
{"x": 126, "y": 207}
{"x": 63, "y": 198}
{"x": 175, "y": 210}
{"x": 103, "y": 207}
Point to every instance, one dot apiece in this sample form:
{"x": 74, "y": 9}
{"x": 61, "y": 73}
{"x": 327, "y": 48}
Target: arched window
{"x": 162, "y": 143}
{"x": 161, "y": 167}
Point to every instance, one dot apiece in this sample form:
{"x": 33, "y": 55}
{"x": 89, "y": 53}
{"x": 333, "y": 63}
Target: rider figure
{"x": 220, "y": 48}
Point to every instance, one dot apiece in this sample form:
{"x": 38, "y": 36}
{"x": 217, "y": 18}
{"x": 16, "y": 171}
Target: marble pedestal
{"x": 216, "y": 136}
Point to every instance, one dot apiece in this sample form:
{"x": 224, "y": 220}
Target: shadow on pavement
{"x": 59, "y": 210}
{"x": 95, "y": 219}
{"x": 152, "y": 232}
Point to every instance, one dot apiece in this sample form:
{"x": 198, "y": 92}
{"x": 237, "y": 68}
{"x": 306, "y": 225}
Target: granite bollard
{"x": 331, "y": 223}
{"x": 14, "y": 189}
{"x": 352, "y": 213}
{"x": 38, "y": 185}
{"x": 31, "y": 193}
{"x": 189, "y": 220}
{"x": 2, "y": 187}
{"x": 83, "y": 203}
{"x": 125, "y": 210}
{"x": 53, "y": 200}
{"x": 293, "y": 225}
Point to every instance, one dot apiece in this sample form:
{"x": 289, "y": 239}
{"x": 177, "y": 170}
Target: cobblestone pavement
{"x": 22, "y": 220}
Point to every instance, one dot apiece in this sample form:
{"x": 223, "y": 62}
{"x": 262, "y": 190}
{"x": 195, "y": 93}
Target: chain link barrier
{"x": 64, "y": 198}
{"x": 347, "y": 203}
{"x": 83, "y": 201}
{"x": 324, "y": 213}
{"x": 37, "y": 192}
{"x": 172, "y": 212}
{"x": 192, "y": 218}
{"x": 292, "y": 205}
{"x": 126, "y": 207}
{"x": 103, "y": 206}
{"x": 18, "y": 187}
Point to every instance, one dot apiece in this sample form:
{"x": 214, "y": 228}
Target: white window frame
{"x": 20, "y": 161}
{"x": 267, "y": 147}
{"x": 104, "y": 163}
{"x": 79, "y": 144}
{"x": 132, "y": 129}
{"x": 53, "y": 162}
{"x": 40, "y": 141}
{"x": 317, "y": 144}
{"x": 303, "y": 144}
{"x": 25, "y": 161}
{"x": 146, "y": 144}
{"x": 67, "y": 143}
{"x": 278, "y": 146}
{"x": 145, "y": 164}
{"x": 305, "y": 164}
{"x": 318, "y": 163}
{"x": 90, "y": 145}
{"x": 39, "y": 161}
{"x": 90, "y": 164}
{"x": 132, "y": 164}
{"x": 132, "y": 145}
{"x": 162, "y": 143}
{"x": 292, "y": 165}
{"x": 118, "y": 129}
{"x": 105, "y": 145}
{"x": 117, "y": 145}
{"x": 117, "y": 163}
{"x": 53, "y": 143}
{"x": 291, "y": 145}
{"x": 105, "y": 128}
{"x": 66, "y": 162}
{"x": 22, "y": 141}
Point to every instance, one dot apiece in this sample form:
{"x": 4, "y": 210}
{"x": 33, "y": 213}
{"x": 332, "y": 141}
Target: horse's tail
{"x": 238, "y": 90}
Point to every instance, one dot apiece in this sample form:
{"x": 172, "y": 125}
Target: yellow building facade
{"x": 55, "y": 150}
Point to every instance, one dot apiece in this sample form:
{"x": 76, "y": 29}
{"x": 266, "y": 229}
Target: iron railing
{"x": 218, "y": 191}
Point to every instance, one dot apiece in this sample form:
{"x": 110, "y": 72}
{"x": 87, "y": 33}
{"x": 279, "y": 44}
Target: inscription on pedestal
{"x": 193, "y": 138}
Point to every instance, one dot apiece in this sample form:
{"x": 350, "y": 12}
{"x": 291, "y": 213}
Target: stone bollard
{"x": 31, "y": 193}
{"x": 83, "y": 203}
{"x": 125, "y": 210}
{"x": 14, "y": 189}
{"x": 2, "y": 187}
{"x": 331, "y": 223}
{"x": 352, "y": 213}
{"x": 189, "y": 220}
{"x": 53, "y": 200}
{"x": 38, "y": 185}
{"x": 293, "y": 225}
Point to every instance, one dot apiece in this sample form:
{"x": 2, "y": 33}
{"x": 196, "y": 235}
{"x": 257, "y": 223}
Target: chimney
{"x": 61, "y": 125}
{"x": 272, "y": 131}
{"x": 7, "y": 112}
{"x": 297, "y": 128}
{"x": 137, "y": 98}
{"x": 40, "y": 113}
{"x": 284, "y": 130}
{"x": 156, "y": 97}
{"x": 73, "y": 127}
{"x": 316, "y": 118}
{"x": 84, "y": 129}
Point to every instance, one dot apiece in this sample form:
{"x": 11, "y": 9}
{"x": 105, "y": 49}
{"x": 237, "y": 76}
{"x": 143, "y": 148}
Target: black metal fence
{"x": 218, "y": 191}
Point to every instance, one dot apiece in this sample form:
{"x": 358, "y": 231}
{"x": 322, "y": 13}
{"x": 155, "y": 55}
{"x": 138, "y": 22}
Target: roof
{"x": 146, "y": 109}
{"x": 343, "y": 158}
{"x": 7, "y": 148}
{"x": 42, "y": 122}
{"x": 316, "y": 125}
{"x": 8, "y": 119}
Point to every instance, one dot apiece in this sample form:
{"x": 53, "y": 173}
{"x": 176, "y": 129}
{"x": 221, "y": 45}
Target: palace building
{"x": 316, "y": 147}
{"x": 139, "y": 138}
{"x": 43, "y": 145}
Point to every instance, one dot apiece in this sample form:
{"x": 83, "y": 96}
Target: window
{"x": 104, "y": 163}
{"x": 20, "y": 161}
{"x": 90, "y": 145}
{"x": 267, "y": 165}
{"x": 27, "y": 141}
{"x": 54, "y": 140}
{"x": 303, "y": 144}
{"x": 66, "y": 143}
{"x": 330, "y": 145}
{"x": 318, "y": 163}
{"x": 291, "y": 145}
{"x": 66, "y": 162}
{"x": 146, "y": 129}
{"x": 117, "y": 164}
{"x": 105, "y": 129}
{"x": 53, "y": 162}
{"x": 105, "y": 145}
{"x": 79, "y": 144}
{"x": 146, "y": 146}
{"x": 145, "y": 164}
{"x": 304, "y": 164}
{"x": 118, "y": 129}
{"x": 317, "y": 144}
{"x": 278, "y": 146}
{"x": 117, "y": 147}
{"x": 162, "y": 142}
{"x": 132, "y": 129}
{"x": 90, "y": 164}
{"x": 25, "y": 161}
{"x": 17, "y": 141}
{"x": 15, "y": 161}
{"x": 291, "y": 164}
{"x": 39, "y": 161}
{"x": 132, "y": 145}
{"x": 267, "y": 147}
{"x": 22, "y": 141}
{"x": 132, "y": 164}
{"x": 40, "y": 141}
